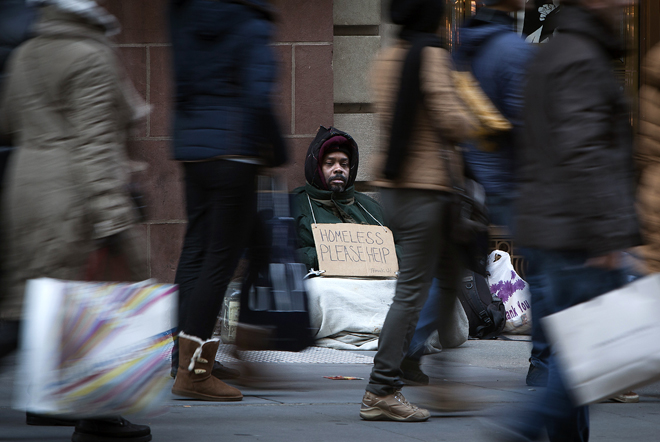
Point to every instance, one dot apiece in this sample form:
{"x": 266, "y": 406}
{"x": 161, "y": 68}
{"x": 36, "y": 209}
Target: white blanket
{"x": 350, "y": 313}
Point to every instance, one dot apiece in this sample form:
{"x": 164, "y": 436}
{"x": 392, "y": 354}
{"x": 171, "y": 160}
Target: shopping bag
{"x": 609, "y": 344}
{"x": 92, "y": 349}
{"x": 505, "y": 283}
{"x": 273, "y": 296}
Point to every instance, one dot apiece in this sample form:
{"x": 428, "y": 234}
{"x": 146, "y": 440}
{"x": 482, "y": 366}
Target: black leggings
{"x": 221, "y": 207}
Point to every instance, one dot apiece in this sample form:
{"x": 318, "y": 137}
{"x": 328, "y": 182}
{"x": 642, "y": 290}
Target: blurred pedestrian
{"x": 648, "y": 161}
{"x": 67, "y": 107}
{"x": 575, "y": 213}
{"x": 224, "y": 130}
{"x": 498, "y": 57}
{"x": 16, "y": 20}
{"x": 423, "y": 120}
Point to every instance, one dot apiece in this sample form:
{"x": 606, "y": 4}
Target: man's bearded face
{"x": 335, "y": 167}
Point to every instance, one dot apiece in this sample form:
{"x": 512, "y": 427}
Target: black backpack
{"x": 486, "y": 313}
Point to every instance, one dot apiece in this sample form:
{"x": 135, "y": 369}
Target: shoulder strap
{"x": 311, "y": 209}
{"x": 473, "y": 299}
{"x": 369, "y": 213}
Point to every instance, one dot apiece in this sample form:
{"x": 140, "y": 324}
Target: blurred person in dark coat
{"x": 68, "y": 107}
{"x": 576, "y": 210}
{"x": 16, "y": 19}
{"x": 224, "y": 130}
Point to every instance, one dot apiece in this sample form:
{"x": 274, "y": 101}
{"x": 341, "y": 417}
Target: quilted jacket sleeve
{"x": 648, "y": 148}
{"x": 447, "y": 111}
{"x": 97, "y": 147}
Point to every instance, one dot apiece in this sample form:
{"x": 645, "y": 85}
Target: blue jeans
{"x": 538, "y": 287}
{"x": 500, "y": 212}
{"x": 428, "y": 322}
{"x": 569, "y": 283}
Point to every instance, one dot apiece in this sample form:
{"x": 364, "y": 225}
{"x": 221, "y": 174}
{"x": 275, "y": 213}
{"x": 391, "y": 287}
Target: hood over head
{"x": 88, "y": 10}
{"x": 329, "y": 140}
{"x": 484, "y": 25}
{"x": 575, "y": 19}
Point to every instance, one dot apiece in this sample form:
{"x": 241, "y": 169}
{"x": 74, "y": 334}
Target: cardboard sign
{"x": 347, "y": 249}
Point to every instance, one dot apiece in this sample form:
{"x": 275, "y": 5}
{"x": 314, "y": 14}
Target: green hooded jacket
{"x": 329, "y": 207}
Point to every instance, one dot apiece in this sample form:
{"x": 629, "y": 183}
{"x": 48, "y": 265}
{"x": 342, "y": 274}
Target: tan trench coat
{"x": 441, "y": 123}
{"x": 68, "y": 109}
{"x": 648, "y": 161}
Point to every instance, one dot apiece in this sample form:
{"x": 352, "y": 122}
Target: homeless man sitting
{"x": 329, "y": 195}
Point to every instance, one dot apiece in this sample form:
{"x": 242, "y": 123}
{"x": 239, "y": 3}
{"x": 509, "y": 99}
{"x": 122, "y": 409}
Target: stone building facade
{"x": 325, "y": 48}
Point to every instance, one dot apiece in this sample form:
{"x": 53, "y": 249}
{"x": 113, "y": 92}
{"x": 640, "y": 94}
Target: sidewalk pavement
{"x": 299, "y": 404}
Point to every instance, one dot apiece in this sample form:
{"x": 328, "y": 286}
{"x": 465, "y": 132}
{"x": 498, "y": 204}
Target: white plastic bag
{"x": 610, "y": 344}
{"x": 505, "y": 283}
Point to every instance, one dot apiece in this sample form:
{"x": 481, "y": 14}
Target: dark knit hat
{"x": 417, "y": 15}
{"x": 337, "y": 143}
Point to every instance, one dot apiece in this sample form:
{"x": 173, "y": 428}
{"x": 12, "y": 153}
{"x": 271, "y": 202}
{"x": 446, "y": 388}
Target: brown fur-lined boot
{"x": 194, "y": 378}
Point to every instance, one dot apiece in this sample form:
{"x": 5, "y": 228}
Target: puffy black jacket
{"x": 577, "y": 179}
{"x": 225, "y": 73}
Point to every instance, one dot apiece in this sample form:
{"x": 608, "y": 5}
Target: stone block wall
{"x": 144, "y": 48}
{"x": 304, "y": 44}
{"x": 357, "y": 39}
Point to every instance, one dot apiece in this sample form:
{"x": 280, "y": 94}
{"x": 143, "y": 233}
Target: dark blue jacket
{"x": 16, "y": 20}
{"x": 225, "y": 74}
{"x": 498, "y": 58}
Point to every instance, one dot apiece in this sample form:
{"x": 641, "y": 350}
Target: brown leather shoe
{"x": 193, "y": 379}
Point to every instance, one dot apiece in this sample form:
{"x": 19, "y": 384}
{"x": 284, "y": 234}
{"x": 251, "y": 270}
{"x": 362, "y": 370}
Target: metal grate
{"x": 312, "y": 355}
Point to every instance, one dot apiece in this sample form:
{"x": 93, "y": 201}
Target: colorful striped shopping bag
{"x": 95, "y": 348}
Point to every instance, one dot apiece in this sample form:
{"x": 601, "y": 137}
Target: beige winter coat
{"x": 648, "y": 161}
{"x": 441, "y": 122}
{"x": 68, "y": 109}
